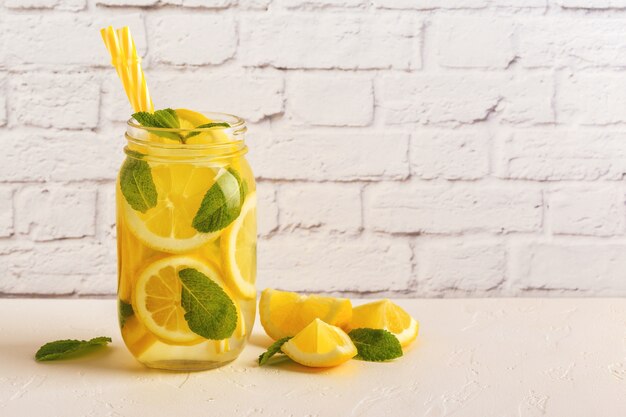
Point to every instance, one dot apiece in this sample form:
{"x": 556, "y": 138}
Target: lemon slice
{"x": 158, "y": 298}
{"x": 136, "y": 337}
{"x": 239, "y": 250}
{"x": 132, "y": 255}
{"x": 168, "y": 226}
{"x": 385, "y": 314}
{"x": 190, "y": 119}
{"x": 286, "y": 313}
{"x": 320, "y": 345}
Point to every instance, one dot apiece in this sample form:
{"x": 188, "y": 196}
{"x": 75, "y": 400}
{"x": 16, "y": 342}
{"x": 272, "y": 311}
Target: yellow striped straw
{"x": 128, "y": 66}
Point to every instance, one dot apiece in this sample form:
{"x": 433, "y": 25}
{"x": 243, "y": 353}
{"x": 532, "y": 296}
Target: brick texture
{"x": 47, "y": 213}
{"x": 574, "y": 266}
{"x": 71, "y": 5}
{"x": 585, "y": 210}
{"x": 331, "y": 263}
{"x": 6, "y": 211}
{"x": 457, "y": 37}
{"x": 466, "y": 98}
{"x": 458, "y": 265}
{"x": 445, "y": 209}
{"x": 401, "y": 147}
{"x": 450, "y": 154}
{"x": 330, "y": 100}
{"x": 55, "y": 100}
{"x": 214, "y": 36}
{"x": 341, "y": 210}
{"x": 555, "y": 42}
{"x": 347, "y": 42}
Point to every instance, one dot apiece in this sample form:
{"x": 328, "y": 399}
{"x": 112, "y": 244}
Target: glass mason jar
{"x": 186, "y": 244}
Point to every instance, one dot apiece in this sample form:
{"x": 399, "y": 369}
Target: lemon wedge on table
{"x": 320, "y": 345}
{"x": 385, "y": 314}
{"x": 238, "y": 243}
{"x": 157, "y": 300}
{"x": 286, "y": 313}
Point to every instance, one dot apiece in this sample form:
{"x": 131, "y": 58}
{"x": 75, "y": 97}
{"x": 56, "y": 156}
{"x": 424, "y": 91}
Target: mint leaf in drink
{"x": 221, "y": 203}
{"x": 375, "y": 345}
{"x": 205, "y": 126}
{"x": 65, "y": 349}
{"x": 137, "y": 184}
{"x": 209, "y": 311}
{"x": 125, "y": 310}
{"x": 134, "y": 154}
{"x": 166, "y": 118}
{"x": 272, "y": 350}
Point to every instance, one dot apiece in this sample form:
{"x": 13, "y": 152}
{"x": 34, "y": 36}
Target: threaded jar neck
{"x": 157, "y": 144}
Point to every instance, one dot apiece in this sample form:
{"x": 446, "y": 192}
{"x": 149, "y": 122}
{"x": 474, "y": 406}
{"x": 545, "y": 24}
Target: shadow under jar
{"x": 186, "y": 244}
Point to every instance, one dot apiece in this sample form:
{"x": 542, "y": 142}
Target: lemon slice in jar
{"x": 163, "y": 194}
{"x": 158, "y": 299}
{"x": 167, "y": 226}
{"x": 190, "y": 119}
{"x": 238, "y": 245}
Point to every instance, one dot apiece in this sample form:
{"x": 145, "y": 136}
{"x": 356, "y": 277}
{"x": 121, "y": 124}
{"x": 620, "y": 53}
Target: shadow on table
{"x": 114, "y": 359}
{"x": 281, "y": 363}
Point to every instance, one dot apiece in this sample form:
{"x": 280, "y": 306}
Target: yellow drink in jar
{"x": 186, "y": 231}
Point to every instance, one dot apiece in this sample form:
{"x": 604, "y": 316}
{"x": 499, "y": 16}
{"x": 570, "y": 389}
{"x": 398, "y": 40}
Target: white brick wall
{"x": 402, "y": 147}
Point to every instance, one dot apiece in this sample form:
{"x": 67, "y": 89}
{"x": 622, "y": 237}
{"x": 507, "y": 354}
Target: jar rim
{"x": 236, "y": 123}
{"x": 137, "y": 141}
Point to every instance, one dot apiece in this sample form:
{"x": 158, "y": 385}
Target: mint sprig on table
{"x": 209, "y": 311}
{"x": 167, "y": 118}
{"x": 273, "y": 350}
{"x": 65, "y": 349}
{"x": 375, "y": 345}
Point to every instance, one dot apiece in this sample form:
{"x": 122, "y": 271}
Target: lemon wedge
{"x": 286, "y": 313}
{"x": 320, "y": 345}
{"x": 385, "y": 314}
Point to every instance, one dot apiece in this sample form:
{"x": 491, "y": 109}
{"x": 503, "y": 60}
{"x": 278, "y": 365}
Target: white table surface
{"x": 479, "y": 358}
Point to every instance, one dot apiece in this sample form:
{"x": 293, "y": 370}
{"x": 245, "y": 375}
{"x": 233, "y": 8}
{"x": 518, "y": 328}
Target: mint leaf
{"x": 166, "y": 118}
{"x": 375, "y": 345}
{"x": 207, "y": 125}
{"x": 137, "y": 184}
{"x": 209, "y": 311}
{"x": 134, "y": 154}
{"x": 124, "y": 310}
{"x": 64, "y": 349}
{"x": 272, "y": 350}
{"x": 221, "y": 203}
